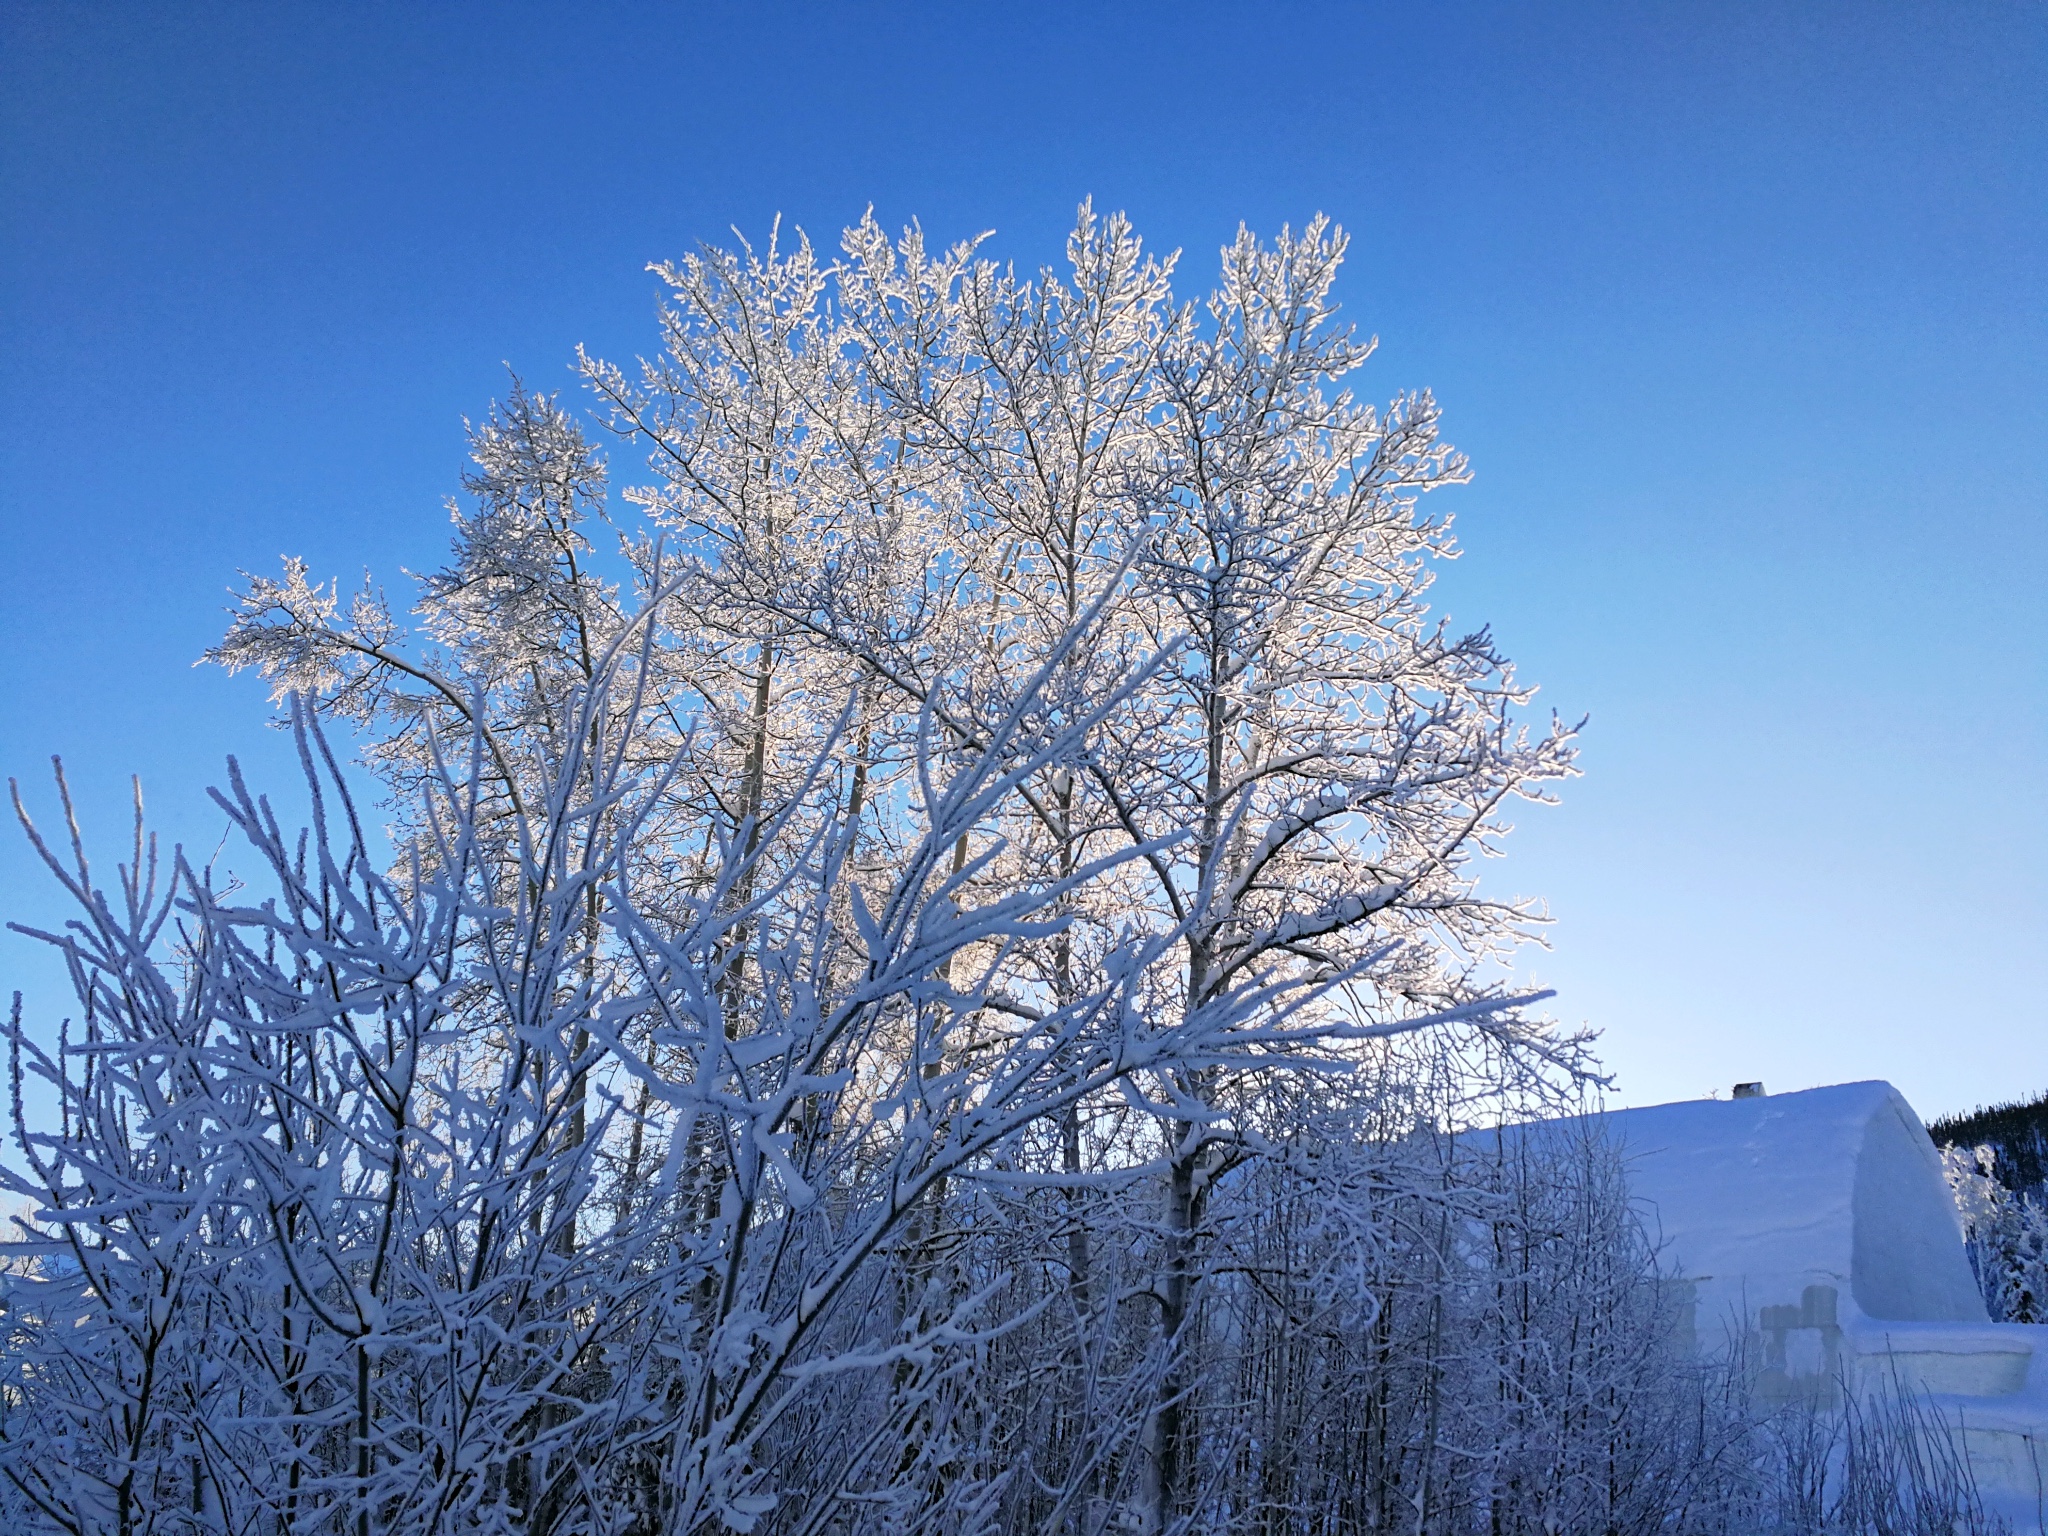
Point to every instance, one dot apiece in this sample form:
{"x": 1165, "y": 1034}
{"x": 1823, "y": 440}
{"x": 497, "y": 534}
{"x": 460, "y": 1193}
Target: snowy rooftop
{"x": 1758, "y": 1198}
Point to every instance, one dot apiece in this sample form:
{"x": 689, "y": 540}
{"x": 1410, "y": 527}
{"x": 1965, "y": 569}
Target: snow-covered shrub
{"x": 471, "y": 1196}
{"x": 1883, "y": 1464}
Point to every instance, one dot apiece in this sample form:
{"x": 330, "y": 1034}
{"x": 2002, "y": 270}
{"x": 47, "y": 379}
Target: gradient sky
{"x": 1741, "y": 312}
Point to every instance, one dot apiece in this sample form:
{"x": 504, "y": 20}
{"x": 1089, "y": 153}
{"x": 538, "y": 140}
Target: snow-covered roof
{"x": 1758, "y": 1198}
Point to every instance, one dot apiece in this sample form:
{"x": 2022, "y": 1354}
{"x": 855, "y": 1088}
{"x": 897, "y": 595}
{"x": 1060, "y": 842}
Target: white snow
{"x": 1817, "y": 1228}
{"x": 1756, "y": 1199}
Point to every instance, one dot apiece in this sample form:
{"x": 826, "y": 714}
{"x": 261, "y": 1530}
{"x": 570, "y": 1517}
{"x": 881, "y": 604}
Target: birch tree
{"x": 865, "y": 932}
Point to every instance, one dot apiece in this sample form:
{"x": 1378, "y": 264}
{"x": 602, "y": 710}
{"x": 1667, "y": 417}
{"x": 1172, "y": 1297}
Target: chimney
{"x": 1749, "y": 1090}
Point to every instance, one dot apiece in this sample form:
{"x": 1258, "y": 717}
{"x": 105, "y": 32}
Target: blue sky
{"x": 1740, "y": 310}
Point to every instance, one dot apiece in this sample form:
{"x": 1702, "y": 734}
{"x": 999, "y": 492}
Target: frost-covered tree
{"x": 926, "y": 974}
{"x": 504, "y": 633}
{"x": 1330, "y": 759}
{"x": 2007, "y": 1234}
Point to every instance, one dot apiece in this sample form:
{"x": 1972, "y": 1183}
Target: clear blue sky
{"x": 1740, "y": 310}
